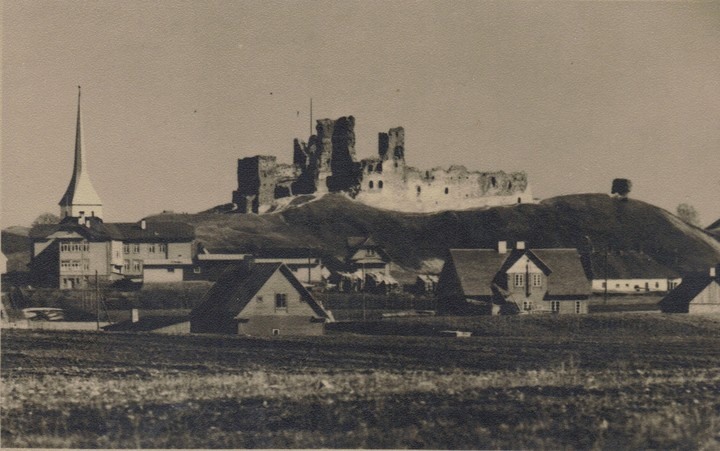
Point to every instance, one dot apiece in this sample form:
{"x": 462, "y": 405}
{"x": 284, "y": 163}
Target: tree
{"x": 687, "y": 213}
{"x": 46, "y": 218}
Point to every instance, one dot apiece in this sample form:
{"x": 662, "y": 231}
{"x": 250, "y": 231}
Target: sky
{"x": 174, "y": 92}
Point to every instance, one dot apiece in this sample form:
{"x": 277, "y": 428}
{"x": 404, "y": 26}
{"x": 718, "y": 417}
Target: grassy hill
{"x": 586, "y": 221}
{"x": 632, "y": 231}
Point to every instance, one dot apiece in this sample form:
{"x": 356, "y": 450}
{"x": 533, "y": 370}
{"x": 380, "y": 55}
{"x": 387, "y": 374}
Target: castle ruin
{"x": 327, "y": 163}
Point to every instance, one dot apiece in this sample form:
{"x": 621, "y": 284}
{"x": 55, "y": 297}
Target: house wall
{"x": 707, "y": 301}
{"x": 95, "y": 259}
{"x": 162, "y": 274}
{"x": 139, "y": 252}
{"x": 634, "y": 285}
{"x": 263, "y": 316}
{"x": 528, "y": 296}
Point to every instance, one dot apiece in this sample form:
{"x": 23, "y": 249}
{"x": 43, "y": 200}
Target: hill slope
{"x": 585, "y": 221}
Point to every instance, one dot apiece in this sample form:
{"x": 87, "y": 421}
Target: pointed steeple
{"x": 80, "y": 198}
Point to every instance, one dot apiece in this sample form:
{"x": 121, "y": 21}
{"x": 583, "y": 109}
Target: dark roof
{"x": 683, "y": 294}
{"x": 476, "y": 269}
{"x": 125, "y": 231}
{"x": 570, "y": 277}
{"x": 629, "y": 265}
{"x": 147, "y": 324}
{"x": 288, "y": 252}
{"x": 355, "y": 242}
{"x": 714, "y": 225}
{"x": 238, "y": 284}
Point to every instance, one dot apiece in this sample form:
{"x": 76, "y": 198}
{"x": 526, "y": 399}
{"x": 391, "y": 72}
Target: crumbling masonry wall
{"x": 327, "y": 163}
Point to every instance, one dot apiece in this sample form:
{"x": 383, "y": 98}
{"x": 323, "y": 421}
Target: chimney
{"x": 520, "y": 245}
{"x": 249, "y": 261}
{"x": 135, "y": 315}
{"x": 714, "y": 271}
{"x": 87, "y": 223}
{"x": 143, "y": 224}
{"x": 502, "y": 247}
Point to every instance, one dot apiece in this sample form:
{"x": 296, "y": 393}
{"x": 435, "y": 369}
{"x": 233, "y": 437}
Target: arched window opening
{"x": 396, "y": 164}
{"x": 370, "y": 184}
{"x": 370, "y": 168}
{"x": 427, "y": 174}
{"x": 418, "y": 190}
{"x": 380, "y": 184}
{"x": 378, "y": 168}
{"x": 519, "y": 200}
{"x": 447, "y": 190}
{"x": 493, "y": 182}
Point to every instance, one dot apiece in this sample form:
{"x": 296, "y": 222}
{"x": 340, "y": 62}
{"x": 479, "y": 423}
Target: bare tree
{"x": 687, "y": 213}
{"x": 46, "y": 218}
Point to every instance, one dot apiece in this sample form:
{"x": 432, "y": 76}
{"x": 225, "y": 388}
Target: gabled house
{"x": 698, "y": 293}
{"x": 259, "y": 299}
{"x": 489, "y": 281}
{"x": 367, "y": 268}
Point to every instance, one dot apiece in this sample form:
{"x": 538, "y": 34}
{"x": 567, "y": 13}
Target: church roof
{"x": 80, "y": 190}
{"x": 164, "y": 231}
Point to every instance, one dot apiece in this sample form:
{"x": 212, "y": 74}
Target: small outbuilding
{"x": 698, "y": 293}
{"x": 259, "y": 299}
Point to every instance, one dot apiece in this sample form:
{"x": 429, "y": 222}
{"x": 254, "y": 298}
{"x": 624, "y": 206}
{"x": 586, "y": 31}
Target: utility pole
{"x": 97, "y": 301}
{"x": 311, "y": 130}
{"x": 606, "y": 275}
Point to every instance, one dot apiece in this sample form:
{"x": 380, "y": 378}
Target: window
{"x": 527, "y": 305}
{"x": 604, "y": 284}
{"x": 519, "y": 280}
{"x": 126, "y": 266}
{"x": 418, "y": 190}
{"x": 537, "y": 280}
{"x": 657, "y": 284}
{"x": 86, "y": 265}
{"x": 259, "y": 299}
{"x": 380, "y": 184}
{"x": 126, "y": 248}
{"x": 137, "y": 265}
{"x": 447, "y": 190}
{"x": 276, "y": 331}
{"x": 578, "y": 306}
{"x": 75, "y": 265}
{"x": 151, "y": 248}
{"x": 281, "y": 301}
{"x": 64, "y": 247}
{"x": 370, "y": 168}
{"x": 370, "y": 184}
{"x": 555, "y": 306}
{"x": 371, "y": 252}
{"x": 197, "y": 270}
{"x": 65, "y": 264}
{"x": 519, "y": 200}
{"x": 163, "y": 247}
{"x": 136, "y": 248}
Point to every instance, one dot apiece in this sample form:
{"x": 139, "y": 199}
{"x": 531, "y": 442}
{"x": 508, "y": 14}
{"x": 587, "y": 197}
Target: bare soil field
{"x": 525, "y": 383}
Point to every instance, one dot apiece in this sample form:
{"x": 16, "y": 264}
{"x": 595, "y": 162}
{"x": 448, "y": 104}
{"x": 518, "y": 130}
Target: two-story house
{"x": 493, "y": 281}
{"x": 74, "y": 252}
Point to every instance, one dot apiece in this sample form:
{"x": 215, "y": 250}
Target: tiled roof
{"x": 124, "y": 231}
{"x": 476, "y": 269}
{"x": 479, "y": 269}
{"x": 679, "y": 298}
{"x": 567, "y": 274}
{"x": 629, "y": 265}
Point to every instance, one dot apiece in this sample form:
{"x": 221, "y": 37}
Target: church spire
{"x": 80, "y": 198}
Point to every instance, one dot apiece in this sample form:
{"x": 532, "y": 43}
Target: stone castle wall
{"x": 326, "y": 163}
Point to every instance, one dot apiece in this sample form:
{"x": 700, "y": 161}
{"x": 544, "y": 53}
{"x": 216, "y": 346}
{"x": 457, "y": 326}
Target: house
{"x": 72, "y": 253}
{"x": 630, "y": 272}
{"x": 426, "y": 283}
{"x": 83, "y": 248}
{"x": 260, "y": 299}
{"x": 698, "y": 293}
{"x": 492, "y": 281}
{"x": 367, "y": 268}
{"x": 306, "y": 264}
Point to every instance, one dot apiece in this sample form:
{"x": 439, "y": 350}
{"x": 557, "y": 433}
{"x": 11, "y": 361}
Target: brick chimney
{"x": 502, "y": 247}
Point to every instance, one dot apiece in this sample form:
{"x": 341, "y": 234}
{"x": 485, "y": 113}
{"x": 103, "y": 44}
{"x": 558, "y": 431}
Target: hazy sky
{"x": 574, "y": 93}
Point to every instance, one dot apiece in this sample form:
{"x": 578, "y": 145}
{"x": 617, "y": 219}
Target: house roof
{"x": 239, "y": 284}
{"x": 125, "y": 231}
{"x": 566, "y": 264}
{"x": 689, "y": 288}
{"x": 629, "y": 265}
{"x": 478, "y": 269}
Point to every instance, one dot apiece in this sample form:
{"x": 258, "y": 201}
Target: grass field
{"x": 546, "y": 382}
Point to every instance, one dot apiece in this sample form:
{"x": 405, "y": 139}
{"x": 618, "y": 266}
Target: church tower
{"x": 80, "y": 198}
